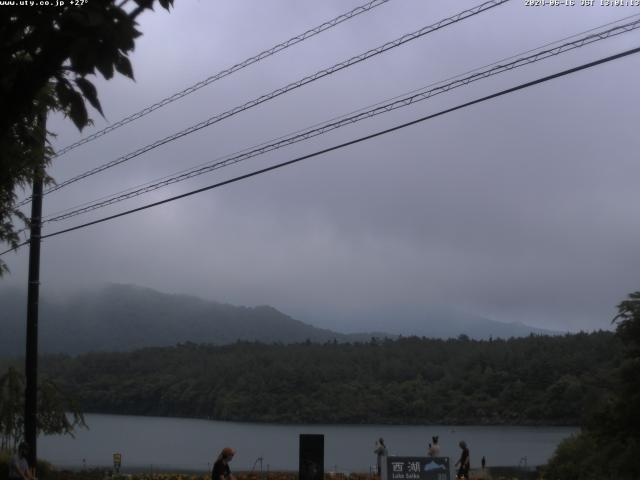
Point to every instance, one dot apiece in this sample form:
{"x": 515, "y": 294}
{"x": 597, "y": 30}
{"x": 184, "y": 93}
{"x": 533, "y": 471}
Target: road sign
{"x": 418, "y": 468}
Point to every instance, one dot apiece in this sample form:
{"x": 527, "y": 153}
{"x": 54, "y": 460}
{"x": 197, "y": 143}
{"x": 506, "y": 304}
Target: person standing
{"x": 464, "y": 462}
{"x": 434, "y": 448}
{"x": 221, "y": 470}
{"x": 483, "y": 462}
{"x": 381, "y": 454}
{"x": 19, "y": 468}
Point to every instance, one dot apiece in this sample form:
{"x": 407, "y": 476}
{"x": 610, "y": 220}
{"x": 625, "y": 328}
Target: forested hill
{"x": 525, "y": 381}
{"x": 128, "y": 317}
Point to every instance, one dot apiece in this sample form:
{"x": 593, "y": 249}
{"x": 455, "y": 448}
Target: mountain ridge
{"x": 122, "y": 317}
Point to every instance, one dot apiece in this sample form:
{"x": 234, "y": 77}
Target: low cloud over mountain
{"x": 125, "y": 317}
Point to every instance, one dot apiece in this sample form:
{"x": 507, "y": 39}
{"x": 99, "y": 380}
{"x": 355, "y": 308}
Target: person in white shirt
{"x": 381, "y": 453}
{"x": 19, "y": 467}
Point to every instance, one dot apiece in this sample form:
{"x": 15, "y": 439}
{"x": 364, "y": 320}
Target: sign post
{"x": 117, "y": 461}
{"x": 418, "y": 468}
{"x": 311, "y": 465}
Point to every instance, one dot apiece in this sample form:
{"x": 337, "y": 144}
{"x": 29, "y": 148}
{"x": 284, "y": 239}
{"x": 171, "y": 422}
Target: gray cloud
{"x": 521, "y": 209}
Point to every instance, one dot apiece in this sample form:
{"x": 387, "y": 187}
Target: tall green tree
{"x": 58, "y": 412}
{"x": 11, "y": 409}
{"x": 47, "y": 57}
{"x": 609, "y": 445}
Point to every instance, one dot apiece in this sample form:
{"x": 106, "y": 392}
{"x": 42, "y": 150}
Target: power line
{"x": 282, "y": 90}
{"x": 398, "y": 102}
{"x": 224, "y": 73}
{"x": 522, "y": 86}
{"x": 477, "y": 69}
{"x": 152, "y": 182}
{"x": 284, "y": 141}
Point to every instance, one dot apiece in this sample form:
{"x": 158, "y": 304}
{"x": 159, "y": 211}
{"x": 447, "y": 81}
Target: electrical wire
{"x": 382, "y": 102}
{"x": 398, "y": 102}
{"x": 500, "y": 93}
{"x": 280, "y": 91}
{"x": 224, "y": 73}
{"x": 151, "y": 182}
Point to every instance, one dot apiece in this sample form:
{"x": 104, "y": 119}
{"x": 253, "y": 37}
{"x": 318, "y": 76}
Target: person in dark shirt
{"x": 434, "y": 448}
{"x": 221, "y": 470}
{"x": 463, "y": 471}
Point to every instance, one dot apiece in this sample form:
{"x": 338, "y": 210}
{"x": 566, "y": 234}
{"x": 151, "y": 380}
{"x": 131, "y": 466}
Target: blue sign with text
{"x": 418, "y": 468}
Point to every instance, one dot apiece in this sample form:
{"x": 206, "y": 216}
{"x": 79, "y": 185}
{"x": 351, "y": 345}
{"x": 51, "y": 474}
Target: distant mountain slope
{"x": 432, "y": 322}
{"x": 126, "y": 317}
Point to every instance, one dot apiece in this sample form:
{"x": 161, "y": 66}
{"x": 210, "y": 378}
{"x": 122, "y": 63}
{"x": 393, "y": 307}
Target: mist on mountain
{"x": 125, "y": 317}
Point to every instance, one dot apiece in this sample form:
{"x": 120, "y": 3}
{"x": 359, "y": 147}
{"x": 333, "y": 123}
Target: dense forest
{"x": 526, "y": 381}
{"x": 608, "y": 445}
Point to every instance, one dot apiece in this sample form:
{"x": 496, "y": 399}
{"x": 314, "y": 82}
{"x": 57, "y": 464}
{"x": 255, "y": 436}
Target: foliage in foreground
{"x": 99, "y": 474}
{"x": 49, "y": 473}
{"x": 57, "y": 413}
{"x": 47, "y": 56}
{"x": 609, "y": 445}
{"x": 44, "y": 469}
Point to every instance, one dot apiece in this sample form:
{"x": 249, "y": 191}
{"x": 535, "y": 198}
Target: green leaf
{"x": 123, "y": 65}
{"x": 77, "y": 110}
{"x": 123, "y": 29}
{"x": 145, "y": 3}
{"x": 90, "y": 93}
{"x": 81, "y": 56}
{"x": 63, "y": 89}
{"x": 105, "y": 66}
{"x": 94, "y": 17}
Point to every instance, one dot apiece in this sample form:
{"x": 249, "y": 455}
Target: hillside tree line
{"x": 536, "y": 380}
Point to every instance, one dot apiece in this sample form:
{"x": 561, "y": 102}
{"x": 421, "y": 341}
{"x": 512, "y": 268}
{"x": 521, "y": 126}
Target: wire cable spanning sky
{"x": 500, "y": 65}
{"x": 400, "y": 102}
{"x": 346, "y": 144}
{"x": 408, "y": 37}
{"x": 367, "y": 7}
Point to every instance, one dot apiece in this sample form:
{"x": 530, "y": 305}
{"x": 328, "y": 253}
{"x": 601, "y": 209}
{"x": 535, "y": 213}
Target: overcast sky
{"x": 521, "y": 209}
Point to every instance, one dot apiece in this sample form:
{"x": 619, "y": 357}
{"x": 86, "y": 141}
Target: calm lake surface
{"x": 175, "y": 443}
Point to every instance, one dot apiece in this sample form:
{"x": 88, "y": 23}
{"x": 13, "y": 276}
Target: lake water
{"x": 175, "y": 443}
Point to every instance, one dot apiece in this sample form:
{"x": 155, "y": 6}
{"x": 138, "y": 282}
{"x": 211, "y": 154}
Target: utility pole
{"x": 31, "y": 357}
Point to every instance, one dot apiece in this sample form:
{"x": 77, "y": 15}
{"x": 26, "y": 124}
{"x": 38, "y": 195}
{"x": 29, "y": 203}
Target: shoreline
{"x": 489, "y": 473}
{"x": 319, "y": 424}
{"x": 160, "y": 443}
